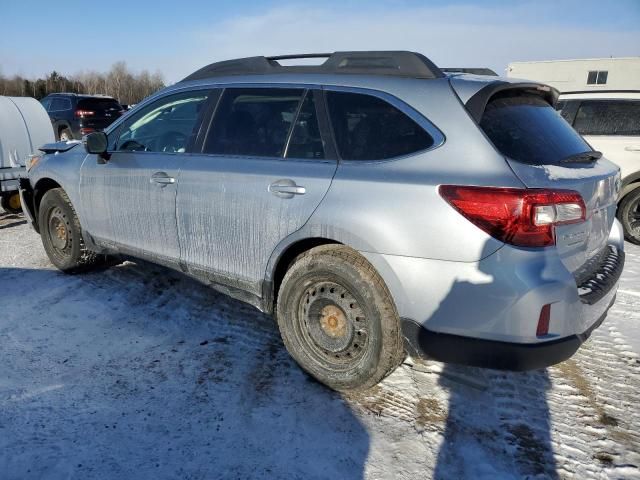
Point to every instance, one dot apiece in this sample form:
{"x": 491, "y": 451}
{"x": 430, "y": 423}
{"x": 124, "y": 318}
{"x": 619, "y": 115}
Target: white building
{"x": 582, "y": 75}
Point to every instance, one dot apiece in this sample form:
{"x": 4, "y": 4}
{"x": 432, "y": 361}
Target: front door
{"x": 130, "y": 200}
{"x": 263, "y": 172}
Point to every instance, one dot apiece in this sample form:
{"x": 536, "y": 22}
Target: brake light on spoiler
{"x": 521, "y": 217}
{"x": 84, "y": 113}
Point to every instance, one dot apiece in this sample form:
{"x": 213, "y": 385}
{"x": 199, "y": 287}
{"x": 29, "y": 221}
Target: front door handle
{"x": 633, "y": 148}
{"x": 286, "y": 188}
{"x": 162, "y": 179}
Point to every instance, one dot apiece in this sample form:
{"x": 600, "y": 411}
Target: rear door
{"x": 98, "y": 113}
{"x": 263, "y": 170}
{"x": 130, "y": 200}
{"x": 544, "y": 152}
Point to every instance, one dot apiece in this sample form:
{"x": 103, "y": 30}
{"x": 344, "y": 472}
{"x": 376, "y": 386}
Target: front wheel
{"x": 11, "y": 203}
{"x": 337, "y": 319}
{"x": 629, "y": 216}
{"x": 61, "y": 233}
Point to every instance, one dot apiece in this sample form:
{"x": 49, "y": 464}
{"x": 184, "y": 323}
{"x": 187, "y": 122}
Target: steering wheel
{"x": 172, "y": 142}
{"x": 132, "y": 146}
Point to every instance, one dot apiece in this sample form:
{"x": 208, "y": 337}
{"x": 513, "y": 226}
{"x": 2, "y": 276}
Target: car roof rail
{"x": 392, "y": 63}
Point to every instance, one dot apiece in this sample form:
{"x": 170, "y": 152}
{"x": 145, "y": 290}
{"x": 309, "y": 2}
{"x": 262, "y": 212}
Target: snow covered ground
{"x": 138, "y": 372}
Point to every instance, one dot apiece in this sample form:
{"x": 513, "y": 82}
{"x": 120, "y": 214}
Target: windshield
{"x": 528, "y": 129}
{"x": 99, "y": 104}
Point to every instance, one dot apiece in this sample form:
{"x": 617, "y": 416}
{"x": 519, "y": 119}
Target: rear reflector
{"x": 521, "y": 217}
{"x": 543, "y": 321}
{"x": 84, "y": 131}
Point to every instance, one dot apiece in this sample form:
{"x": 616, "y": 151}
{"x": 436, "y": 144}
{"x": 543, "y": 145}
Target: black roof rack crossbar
{"x": 301, "y": 55}
{"x": 394, "y": 63}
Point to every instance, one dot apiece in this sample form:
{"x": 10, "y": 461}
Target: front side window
{"x": 608, "y": 117}
{"x": 253, "y": 121}
{"x": 369, "y": 128}
{"x": 166, "y": 125}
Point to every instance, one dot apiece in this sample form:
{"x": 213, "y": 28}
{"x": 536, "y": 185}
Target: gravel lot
{"x": 138, "y": 372}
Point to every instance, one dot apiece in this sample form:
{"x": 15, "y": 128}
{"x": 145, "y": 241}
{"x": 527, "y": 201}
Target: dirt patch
{"x": 430, "y": 411}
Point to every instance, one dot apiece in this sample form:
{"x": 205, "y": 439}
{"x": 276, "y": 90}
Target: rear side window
{"x": 608, "y": 117}
{"x": 99, "y": 105}
{"x": 59, "y": 104}
{"x": 368, "y": 128}
{"x": 528, "y": 129}
{"x": 306, "y": 141}
{"x": 253, "y": 121}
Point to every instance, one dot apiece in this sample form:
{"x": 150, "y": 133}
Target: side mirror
{"x": 96, "y": 143}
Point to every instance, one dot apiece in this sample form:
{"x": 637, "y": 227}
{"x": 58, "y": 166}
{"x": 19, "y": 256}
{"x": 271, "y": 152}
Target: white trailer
{"x": 590, "y": 74}
{"x": 24, "y": 126}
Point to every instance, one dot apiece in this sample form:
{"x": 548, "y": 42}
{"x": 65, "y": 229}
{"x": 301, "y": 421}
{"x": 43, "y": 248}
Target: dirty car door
{"x": 263, "y": 172}
{"x": 130, "y": 199}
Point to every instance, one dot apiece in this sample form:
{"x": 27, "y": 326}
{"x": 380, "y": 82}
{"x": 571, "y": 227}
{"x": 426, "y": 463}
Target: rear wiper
{"x": 584, "y": 157}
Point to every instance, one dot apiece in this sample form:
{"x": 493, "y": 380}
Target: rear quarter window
{"x": 369, "y": 128}
{"x": 608, "y": 117}
{"x": 528, "y": 129}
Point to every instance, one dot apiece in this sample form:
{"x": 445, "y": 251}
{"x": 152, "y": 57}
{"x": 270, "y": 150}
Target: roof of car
{"x": 388, "y": 63}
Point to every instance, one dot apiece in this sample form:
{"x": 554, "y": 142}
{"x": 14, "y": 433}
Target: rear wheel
{"x": 66, "y": 135}
{"x": 337, "y": 319}
{"x": 61, "y": 234}
{"x": 11, "y": 202}
{"x": 629, "y": 216}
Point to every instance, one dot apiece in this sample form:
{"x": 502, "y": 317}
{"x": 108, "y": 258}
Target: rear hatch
{"x": 98, "y": 113}
{"x": 544, "y": 151}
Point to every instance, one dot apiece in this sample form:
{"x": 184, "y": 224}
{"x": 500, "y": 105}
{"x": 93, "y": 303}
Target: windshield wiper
{"x": 584, "y": 157}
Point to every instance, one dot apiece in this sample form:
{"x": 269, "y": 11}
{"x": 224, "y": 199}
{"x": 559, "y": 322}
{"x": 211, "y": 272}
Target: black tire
{"x": 629, "y": 216}
{"x": 61, "y": 234}
{"x": 337, "y": 319}
{"x": 65, "y": 132}
{"x": 11, "y": 203}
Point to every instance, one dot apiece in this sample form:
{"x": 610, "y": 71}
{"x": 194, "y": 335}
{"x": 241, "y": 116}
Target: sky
{"x": 178, "y": 37}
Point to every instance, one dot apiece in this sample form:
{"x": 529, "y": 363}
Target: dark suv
{"x": 74, "y": 115}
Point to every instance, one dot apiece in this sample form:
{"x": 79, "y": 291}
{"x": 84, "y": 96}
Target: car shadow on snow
{"x": 498, "y": 423}
{"x": 139, "y": 372}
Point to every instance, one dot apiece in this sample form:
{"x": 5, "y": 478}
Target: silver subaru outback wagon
{"x": 375, "y": 205}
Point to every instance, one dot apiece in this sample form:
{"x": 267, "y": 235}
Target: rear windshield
{"x": 99, "y": 104}
{"x": 527, "y": 129}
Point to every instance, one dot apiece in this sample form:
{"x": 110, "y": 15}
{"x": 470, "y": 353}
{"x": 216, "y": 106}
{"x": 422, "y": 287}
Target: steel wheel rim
{"x": 333, "y": 324}
{"x": 633, "y": 217}
{"x": 59, "y": 234}
{"x": 14, "y": 201}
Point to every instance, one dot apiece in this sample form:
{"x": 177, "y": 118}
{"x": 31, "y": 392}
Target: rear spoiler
{"x": 59, "y": 146}
{"x": 478, "y": 102}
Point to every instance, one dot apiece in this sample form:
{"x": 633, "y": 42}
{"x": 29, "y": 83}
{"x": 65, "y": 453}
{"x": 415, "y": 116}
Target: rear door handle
{"x": 633, "y": 148}
{"x": 162, "y": 179}
{"x": 286, "y": 188}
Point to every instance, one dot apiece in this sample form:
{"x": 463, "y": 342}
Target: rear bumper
{"x": 423, "y": 343}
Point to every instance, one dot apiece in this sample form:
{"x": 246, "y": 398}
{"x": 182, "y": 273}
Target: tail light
{"x": 84, "y": 113}
{"x": 521, "y": 217}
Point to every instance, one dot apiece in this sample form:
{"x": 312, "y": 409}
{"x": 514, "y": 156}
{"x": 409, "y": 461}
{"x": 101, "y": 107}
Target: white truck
{"x": 24, "y": 126}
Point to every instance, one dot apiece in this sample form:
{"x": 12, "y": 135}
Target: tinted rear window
{"x": 99, "y": 104}
{"x": 527, "y": 129}
{"x": 608, "y": 117}
{"x": 369, "y": 128}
